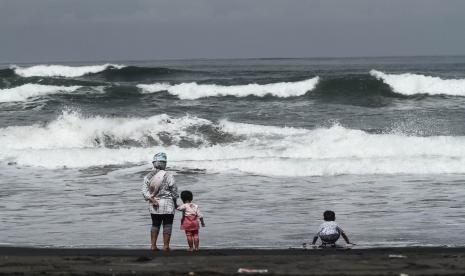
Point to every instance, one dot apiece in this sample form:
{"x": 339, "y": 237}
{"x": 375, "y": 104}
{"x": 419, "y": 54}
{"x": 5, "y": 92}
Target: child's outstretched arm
{"x": 316, "y": 236}
{"x": 344, "y": 236}
{"x": 314, "y": 239}
{"x": 200, "y": 216}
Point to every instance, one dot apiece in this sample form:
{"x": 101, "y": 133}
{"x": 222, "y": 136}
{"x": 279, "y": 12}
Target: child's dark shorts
{"x": 329, "y": 239}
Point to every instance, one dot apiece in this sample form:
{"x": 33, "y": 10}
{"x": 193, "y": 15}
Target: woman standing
{"x": 160, "y": 190}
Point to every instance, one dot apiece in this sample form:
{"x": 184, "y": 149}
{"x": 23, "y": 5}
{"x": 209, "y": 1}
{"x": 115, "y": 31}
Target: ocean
{"x": 265, "y": 145}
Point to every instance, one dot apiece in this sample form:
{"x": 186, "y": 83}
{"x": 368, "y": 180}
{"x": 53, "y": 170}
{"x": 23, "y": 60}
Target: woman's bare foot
{"x": 190, "y": 249}
{"x": 154, "y": 248}
{"x": 166, "y": 249}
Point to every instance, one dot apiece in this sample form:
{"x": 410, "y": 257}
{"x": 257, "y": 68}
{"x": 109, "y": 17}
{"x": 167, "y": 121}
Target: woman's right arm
{"x": 145, "y": 189}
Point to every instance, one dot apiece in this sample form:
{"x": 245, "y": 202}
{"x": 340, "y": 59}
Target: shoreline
{"x": 329, "y": 261}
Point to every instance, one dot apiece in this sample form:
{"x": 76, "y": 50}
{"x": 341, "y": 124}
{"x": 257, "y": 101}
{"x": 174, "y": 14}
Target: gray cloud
{"x": 54, "y": 30}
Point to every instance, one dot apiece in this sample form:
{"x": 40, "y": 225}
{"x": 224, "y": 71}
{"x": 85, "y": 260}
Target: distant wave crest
{"x": 191, "y": 91}
{"x": 410, "y": 84}
{"x": 25, "y": 91}
{"x": 61, "y": 70}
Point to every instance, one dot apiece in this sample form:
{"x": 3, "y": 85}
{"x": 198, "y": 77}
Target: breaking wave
{"x": 72, "y": 130}
{"x": 62, "y": 70}
{"x": 76, "y": 141}
{"x": 23, "y": 92}
{"x": 191, "y": 91}
{"x": 410, "y": 84}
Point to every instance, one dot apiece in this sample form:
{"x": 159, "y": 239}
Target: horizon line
{"x": 229, "y": 58}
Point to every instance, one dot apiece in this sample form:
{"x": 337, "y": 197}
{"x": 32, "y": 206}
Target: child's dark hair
{"x": 329, "y": 216}
{"x": 186, "y": 196}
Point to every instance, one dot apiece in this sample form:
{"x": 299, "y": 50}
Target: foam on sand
{"x": 410, "y": 84}
{"x": 61, "y": 70}
{"x": 191, "y": 91}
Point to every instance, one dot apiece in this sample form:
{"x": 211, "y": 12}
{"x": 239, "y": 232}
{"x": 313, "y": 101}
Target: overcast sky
{"x": 96, "y": 30}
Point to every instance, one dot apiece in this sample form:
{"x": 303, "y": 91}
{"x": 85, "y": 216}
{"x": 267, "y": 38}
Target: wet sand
{"x": 381, "y": 261}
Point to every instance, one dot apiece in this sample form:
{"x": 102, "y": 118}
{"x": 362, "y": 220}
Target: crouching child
{"x": 330, "y": 231}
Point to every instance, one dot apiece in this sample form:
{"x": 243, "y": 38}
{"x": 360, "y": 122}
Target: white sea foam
{"x": 410, "y": 84}
{"x": 191, "y": 91}
{"x": 72, "y": 131}
{"x": 23, "y": 92}
{"x": 154, "y": 88}
{"x": 78, "y": 142}
{"x": 61, "y": 70}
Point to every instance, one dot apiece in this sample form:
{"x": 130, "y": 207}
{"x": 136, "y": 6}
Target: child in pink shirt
{"x": 190, "y": 220}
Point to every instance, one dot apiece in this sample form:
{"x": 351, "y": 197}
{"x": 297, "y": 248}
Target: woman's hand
{"x": 154, "y": 201}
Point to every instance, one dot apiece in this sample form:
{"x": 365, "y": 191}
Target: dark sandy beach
{"x": 383, "y": 261}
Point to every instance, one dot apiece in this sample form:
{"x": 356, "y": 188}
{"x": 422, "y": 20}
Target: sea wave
{"x": 410, "y": 84}
{"x": 72, "y": 130}
{"x": 61, "y": 70}
{"x": 26, "y": 91}
{"x": 191, "y": 91}
{"x": 76, "y": 141}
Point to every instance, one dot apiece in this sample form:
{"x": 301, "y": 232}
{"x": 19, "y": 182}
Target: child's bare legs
{"x": 190, "y": 240}
{"x": 196, "y": 240}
